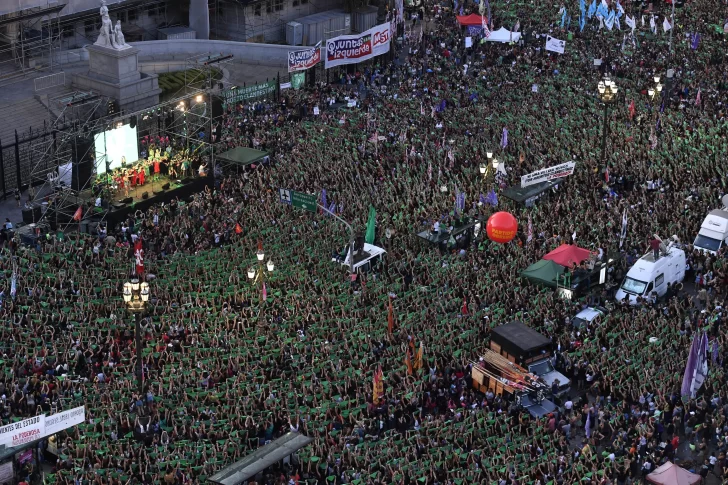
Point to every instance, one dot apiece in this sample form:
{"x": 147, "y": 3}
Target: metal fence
{"x": 50, "y": 81}
{"x": 27, "y": 158}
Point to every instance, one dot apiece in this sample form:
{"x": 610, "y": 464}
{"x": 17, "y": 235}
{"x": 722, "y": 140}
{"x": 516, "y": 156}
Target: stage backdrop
{"x": 115, "y": 144}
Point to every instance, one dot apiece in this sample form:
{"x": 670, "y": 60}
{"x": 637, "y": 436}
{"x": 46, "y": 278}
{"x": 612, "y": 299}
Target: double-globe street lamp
{"x": 136, "y": 296}
{"x": 258, "y": 275}
{"x": 607, "y": 92}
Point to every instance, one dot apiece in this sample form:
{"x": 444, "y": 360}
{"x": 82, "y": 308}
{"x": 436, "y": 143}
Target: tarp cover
{"x": 568, "y": 254}
{"x": 472, "y": 19}
{"x": 543, "y": 272}
{"x": 671, "y": 474}
{"x": 504, "y": 35}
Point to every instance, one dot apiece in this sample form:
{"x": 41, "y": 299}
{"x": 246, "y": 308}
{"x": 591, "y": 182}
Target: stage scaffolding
{"x": 186, "y": 120}
{"x": 31, "y": 37}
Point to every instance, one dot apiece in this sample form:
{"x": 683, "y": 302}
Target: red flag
{"x": 390, "y": 317}
{"x": 418, "y": 356}
{"x": 697, "y": 98}
{"x": 408, "y": 362}
{"x": 631, "y": 110}
{"x": 464, "y": 309}
{"x": 77, "y": 215}
{"x": 139, "y": 256}
{"x": 606, "y": 175}
{"x": 265, "y": 292}
{"x": 238, "y": 229}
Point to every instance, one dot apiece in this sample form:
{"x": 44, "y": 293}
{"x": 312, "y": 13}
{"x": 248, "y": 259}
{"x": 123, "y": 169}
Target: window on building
{"x": 68, "y": 31}
{"x": 303, "y": 2}
{"x": 133, "y": 15}
{"x": 295, "y": 3}
{"x": 256, "y": 9}
{"x": 268, "y": 6}
{"x": 89, "y": 26}
{"x": 278, "y": 5}
{"x": 152, "y": 11}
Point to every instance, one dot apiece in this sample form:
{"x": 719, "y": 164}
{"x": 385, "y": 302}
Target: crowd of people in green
{"x": 227, "y": 371}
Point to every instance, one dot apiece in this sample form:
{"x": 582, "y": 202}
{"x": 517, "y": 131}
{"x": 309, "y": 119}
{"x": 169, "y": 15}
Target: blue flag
{"x": 324, "y": 201}
{"x": 592, "y": 9}
{"x": 563, "y": 17}
{"x": 582, "y": 6}
{"x": 582, "y": 22}
{"x": 603, "y": 10}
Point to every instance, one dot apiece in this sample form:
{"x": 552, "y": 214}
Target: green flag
{"x": 369, "y": 237}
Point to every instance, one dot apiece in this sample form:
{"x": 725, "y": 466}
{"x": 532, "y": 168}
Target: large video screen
{"x": 114, "y": 145}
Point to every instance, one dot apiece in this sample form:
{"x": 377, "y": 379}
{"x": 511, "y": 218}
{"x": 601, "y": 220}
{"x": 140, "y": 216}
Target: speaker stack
{"x": 83, "y": 163}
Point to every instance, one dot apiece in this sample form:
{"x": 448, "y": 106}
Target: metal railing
{"x": 50, "y": 81}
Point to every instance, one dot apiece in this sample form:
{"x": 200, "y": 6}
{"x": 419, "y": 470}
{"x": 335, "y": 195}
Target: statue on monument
{"x": 110, "y": 36}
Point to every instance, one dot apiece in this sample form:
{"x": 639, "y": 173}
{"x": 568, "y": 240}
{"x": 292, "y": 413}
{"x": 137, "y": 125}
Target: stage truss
{"x": 186, "y": 120}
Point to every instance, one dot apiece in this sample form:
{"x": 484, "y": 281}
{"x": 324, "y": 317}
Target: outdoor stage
{"x": 163, "y": 190}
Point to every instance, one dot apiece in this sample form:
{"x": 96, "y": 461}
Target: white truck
{"x": 649, "y": 274}
{"x": 713, "y": 232}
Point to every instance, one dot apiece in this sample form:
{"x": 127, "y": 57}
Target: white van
{"x": 648, "y": 275}
{"x": 713, "y": 232}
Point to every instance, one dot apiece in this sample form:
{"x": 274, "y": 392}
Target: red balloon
{"x": 501, "y": 227}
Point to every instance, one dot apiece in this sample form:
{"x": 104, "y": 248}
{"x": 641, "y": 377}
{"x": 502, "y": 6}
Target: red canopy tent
{"x": 671, "y": 474}
{"x": 472, "y": 19}
{"x": 568, "y": 254}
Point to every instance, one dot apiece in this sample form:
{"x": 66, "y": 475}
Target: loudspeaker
{"x": 31, "y": 215}
{"x": 145, "y": 195}
{"x": 165, "y": 186}
{"x": 128, "y": 200}
{"x": 133, "y": 121}
{"x": 83, "y": 163}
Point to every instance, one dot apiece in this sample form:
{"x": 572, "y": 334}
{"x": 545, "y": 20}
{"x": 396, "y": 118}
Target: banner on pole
{"x": 350, "y": 49}
{"x": 555, "y": 45}
{"x": 546, "y": 174}
{"x": 232, "y": 96}
{"x": 303, "y": 59}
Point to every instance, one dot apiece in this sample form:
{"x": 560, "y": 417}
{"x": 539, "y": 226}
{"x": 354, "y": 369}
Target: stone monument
{"x": 114, "y": 69}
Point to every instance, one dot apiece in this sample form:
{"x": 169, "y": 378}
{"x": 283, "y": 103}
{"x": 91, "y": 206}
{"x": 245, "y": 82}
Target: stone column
{"x": 200, "y": 18}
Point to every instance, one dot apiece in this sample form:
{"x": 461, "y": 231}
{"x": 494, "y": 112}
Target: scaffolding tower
{"x": 28, "y": 37}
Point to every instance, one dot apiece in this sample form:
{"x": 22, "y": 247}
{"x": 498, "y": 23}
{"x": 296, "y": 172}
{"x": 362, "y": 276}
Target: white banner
{"x": 64, "y": 420}
{"x": 6, "y": 473}
{"x": 545, "y": 174}
{"x": 555, "y": 45}
{"x": 25, "y": 431}
{"x": 351, "y": 49}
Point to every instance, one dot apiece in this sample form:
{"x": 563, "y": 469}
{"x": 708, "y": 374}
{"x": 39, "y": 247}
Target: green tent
{"x": 544, "y": 272}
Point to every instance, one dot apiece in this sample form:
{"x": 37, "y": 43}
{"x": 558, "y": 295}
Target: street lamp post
{"x": 260, "y": 274}
{"x": 490, "y": 167}
{"x": 607, "y": 91}
{"x": 136, "y": 296}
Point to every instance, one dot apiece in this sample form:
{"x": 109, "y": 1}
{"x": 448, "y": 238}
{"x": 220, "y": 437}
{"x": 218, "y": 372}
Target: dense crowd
{"x": 226, "y": 372}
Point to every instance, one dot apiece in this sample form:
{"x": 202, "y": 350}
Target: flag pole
{"x": 673, "y": 24}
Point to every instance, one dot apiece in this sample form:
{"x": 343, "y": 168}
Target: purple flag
{"x": 324, "y": 201}
{"x": 694, "y": 41}
{"x": 690, "y": 366}
{"x": 715, "y": 351}
{"x": 492, "y": 198}
{"x": 504, "y": 138}
{"x": 462, "y": 201}
{"x": 332, "y": 207}
{"x": 483, "y": 200}
{"x": 587, "y": 428}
